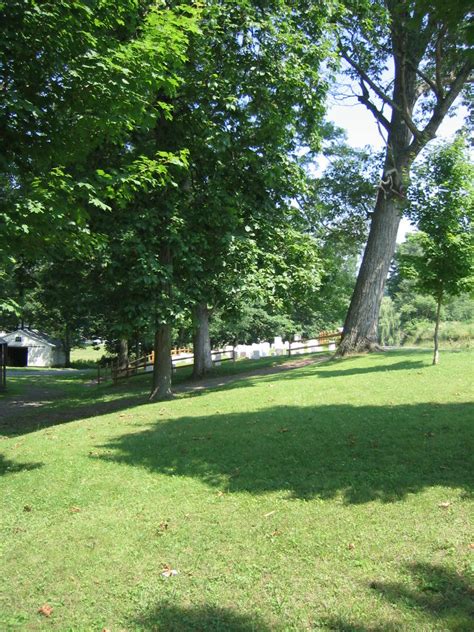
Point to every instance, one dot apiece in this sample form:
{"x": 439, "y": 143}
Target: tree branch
{"x": 424, "y": 77}
{"x": 440, "y": 110}
{"x": 379, "y": 92}
{"x": 364, "y": 98}
{"x": 438, "y": 60}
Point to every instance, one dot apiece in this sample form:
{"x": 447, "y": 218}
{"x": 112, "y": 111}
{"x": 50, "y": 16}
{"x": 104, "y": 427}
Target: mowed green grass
{"x": 332, "y": 497}
{"x": 87, "y": 355}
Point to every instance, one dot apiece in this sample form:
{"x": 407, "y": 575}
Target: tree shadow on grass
{"x": 364, "y": 453}
{"x": 10, "y": 467}
{"x": 438, "y": 594}
{"x": 197, "y": 619}
{"x": 97, "y": 401}
{"x": 326, "y": 369}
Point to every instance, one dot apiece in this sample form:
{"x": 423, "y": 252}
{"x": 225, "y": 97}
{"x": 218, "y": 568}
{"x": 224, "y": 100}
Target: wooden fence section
{"x": 325, "y": 338}
{"x": 112, "y": 370}
{"x": 182, "y": 357}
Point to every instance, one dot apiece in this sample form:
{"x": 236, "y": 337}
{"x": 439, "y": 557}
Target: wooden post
{"x": 233, "y": 354}
{"x": 98, "y": 373}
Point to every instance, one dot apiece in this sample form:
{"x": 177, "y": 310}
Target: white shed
{"x": 28, "y": 347}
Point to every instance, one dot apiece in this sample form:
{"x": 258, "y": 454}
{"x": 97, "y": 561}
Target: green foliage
{"x": 417, "y": 311}
{"x": 389, "y": 323}
{"x": 442, "y": 205}
{"x": 452, "y": 334}
{"x": 77, "y": 79}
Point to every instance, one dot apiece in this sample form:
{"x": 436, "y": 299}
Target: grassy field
{"x": 87, "y": 355}
{"x": 335, "y": 496}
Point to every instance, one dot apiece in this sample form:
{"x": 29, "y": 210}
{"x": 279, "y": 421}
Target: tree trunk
{"x": 67, "y": 347}
{"x": 436, "y": 331}
{"x": 123, "y": 353}
{"x": 162, "y": 368}
{"x": 360, "y": 327}
{"x": 201, "y": 341}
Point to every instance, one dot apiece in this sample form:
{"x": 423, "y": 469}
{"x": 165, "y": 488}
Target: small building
{"x": 28, "y": 347}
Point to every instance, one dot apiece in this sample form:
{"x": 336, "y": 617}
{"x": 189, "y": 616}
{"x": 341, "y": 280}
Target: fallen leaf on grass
{"x": 283, "y": 430}
{"x": 351, "y": 546}
{"x": 45, "y": 610}
{"x": 74, "y": 510}
{"x": 162, "y": 527}
{"x": 471, "y": 545}
{"x": 445, "y": 505}
{"x": 220, "y": 494}
{"x": 168, "y": 571}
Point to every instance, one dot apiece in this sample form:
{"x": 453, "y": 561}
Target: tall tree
{"x": 408, "y": 60}
{"x": 252, "y": 93}
{"x": 442, "y": 204}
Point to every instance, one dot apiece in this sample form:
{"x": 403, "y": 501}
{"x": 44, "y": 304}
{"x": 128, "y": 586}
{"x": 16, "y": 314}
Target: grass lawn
{"x": 335, "y": 496}
{"x": 87, "y": 355}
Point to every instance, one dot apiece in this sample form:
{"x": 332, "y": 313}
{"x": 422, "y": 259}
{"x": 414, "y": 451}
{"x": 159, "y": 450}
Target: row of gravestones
{"x": 281, "y": 347}
{"x": 259, "y": 350}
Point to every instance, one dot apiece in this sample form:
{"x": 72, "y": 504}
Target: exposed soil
{"x": 228, "y": 379}
{"x": 34, "y": 408}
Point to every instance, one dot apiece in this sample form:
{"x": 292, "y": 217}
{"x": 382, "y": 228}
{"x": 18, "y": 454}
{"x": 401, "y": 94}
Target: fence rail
{"x": 112, "y": 369}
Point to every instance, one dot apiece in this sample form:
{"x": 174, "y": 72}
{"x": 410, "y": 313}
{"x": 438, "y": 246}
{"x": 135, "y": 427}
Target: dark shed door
{"x": 17, "y": 356}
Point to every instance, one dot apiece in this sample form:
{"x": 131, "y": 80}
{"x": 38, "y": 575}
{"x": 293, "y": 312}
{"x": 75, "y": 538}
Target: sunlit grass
{"x": 331, "y": 497}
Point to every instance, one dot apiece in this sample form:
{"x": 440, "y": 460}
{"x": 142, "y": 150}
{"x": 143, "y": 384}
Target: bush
{"x": 451, "y": 333}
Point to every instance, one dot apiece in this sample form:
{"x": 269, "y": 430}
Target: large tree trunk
{"x": 436, "y": 331}
{"x": 360, "y": 327}
{"x": 162, "y": 368}
{"x": 201, "y": 341}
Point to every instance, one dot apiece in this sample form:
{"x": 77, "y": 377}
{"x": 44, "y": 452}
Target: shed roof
{"x": 39, "y": 336}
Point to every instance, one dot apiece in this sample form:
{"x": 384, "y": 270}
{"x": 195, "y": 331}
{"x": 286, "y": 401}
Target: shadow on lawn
{"x": 78, "y": 401}
{"x": 198, "y": 619}
{"x": 36, "y": 404}
{"x": 364, "y": 453}
{"x": 439, "y": 594}
{"x": 331, "y": 368}
{"x": 10, "y": 467}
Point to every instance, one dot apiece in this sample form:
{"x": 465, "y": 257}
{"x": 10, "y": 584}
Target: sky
{"x": 362, "y": 130}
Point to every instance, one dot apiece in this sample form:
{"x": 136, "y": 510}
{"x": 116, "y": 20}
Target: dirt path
{"x": 215, "y": 382}
{"x": 35, "y": 406}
